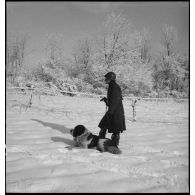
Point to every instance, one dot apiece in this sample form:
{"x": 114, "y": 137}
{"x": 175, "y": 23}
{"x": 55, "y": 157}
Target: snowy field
{"x": 40, "y": 156}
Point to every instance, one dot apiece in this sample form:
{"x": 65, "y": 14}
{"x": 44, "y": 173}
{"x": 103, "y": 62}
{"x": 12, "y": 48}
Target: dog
{"x": 85, "y": 139}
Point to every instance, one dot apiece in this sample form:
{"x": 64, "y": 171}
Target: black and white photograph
{"x": 97, "y": 96}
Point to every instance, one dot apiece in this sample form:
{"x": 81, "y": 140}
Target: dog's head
{"x": 80, "y": 135}
{"x": 78, "y": 131}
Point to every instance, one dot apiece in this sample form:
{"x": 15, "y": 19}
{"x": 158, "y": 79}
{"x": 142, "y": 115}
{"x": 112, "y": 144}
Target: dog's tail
{"x": 114, "y": 150}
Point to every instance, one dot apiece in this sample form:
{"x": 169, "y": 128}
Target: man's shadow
{"x": 55, "y": 126}
{"x": 60, "y": 128}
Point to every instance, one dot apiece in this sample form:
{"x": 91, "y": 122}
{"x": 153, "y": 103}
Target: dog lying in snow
{"x": 85, "y": 139}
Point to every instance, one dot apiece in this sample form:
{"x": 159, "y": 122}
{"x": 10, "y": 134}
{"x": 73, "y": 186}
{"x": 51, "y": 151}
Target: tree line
{"x": 115, "y": 47}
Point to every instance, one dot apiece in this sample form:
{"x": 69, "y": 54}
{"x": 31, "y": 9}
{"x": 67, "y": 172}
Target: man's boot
{"x": 102, "y": 133}
{"x": 115, "y": 137}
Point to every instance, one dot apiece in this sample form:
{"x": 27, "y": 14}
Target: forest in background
{"x": 117, "y": 47}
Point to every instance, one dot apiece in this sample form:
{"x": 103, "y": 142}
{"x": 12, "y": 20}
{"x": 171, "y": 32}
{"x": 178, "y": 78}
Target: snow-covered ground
{"x": 40, "y": 156}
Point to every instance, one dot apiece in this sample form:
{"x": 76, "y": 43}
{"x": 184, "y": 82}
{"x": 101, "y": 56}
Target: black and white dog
{"x": 85, "y": 139}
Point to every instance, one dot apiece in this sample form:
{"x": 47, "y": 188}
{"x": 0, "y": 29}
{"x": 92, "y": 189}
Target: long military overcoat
{"x": 114, "y": 119}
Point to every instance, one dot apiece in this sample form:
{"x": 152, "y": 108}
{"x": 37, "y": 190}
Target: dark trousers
{"x": 115, "y": 136}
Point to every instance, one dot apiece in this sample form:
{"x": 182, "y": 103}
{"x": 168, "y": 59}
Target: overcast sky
{"x": 72, "y": 19}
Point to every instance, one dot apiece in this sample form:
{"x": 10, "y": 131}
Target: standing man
{"x": 114, "y": 119}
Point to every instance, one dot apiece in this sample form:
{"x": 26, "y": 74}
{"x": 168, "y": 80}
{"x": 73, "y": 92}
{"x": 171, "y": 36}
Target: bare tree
{"x": 54, "y": 48}
{"x": 82, "y": 56}
{"x": 115, "y": 26}
{"x": 145, "y": 45}
{"x": 16, "y": 53}
{"x": 169, "y": 38}
{"x": 170, "y": 72}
